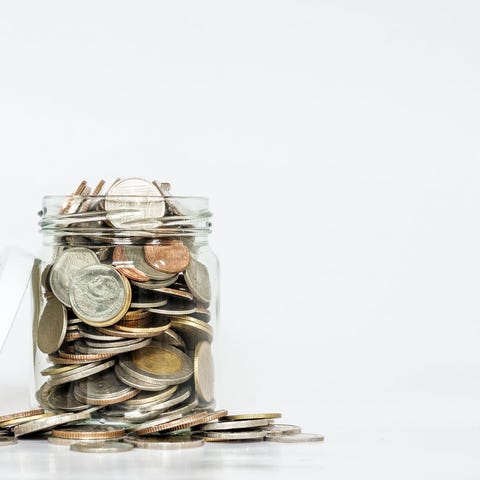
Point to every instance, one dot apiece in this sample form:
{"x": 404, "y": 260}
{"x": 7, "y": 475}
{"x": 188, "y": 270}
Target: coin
{"x": 50, "y": 422}
{"x": 173, "y": 442}
{"x": 82, "y": 347}
{"x": 131, "y": 203}
{"x": 136, "y": 315}
{"x": 69, "y": 262}
{"x": 253, "y": 416}
{"x": 66, "y": 442}
{"x": 151, "y": 398}
{"x": 281, "y": 429}
{"x": 19, "y": 421}
{"x": 14, "y": 416}
{"x": 5, "y": 441}
{"x": 82, "y": 372}
{"x": 158, "y": 363}
{"x": 203, "y": 369}
{"x": 88, "y": 432}
{"x": 175, "y": 308}
{"x": 233, "y": 436}
{"x": 154, "y": 423}
{"x": 52, "y": 326}
{"x": 95, "y": 334}
{"x": 157, "y": 285}
{"x": 110, "y": 344}
{"x": 296, "y": 438}
{"x": 234, "y": 425}
{"x": 147, "y": 303}
{"x": 103, "y": 388}
{"x": 136, "y": 383}
{"x": 198, "y": 281}
{"x": 202, "y": 314}
{"x": 127, "y": 267}
{"x": 169, "y": 256}
{"x": 101, "y": 447}
{"x": 67, "y": 206}
{"x": 176, "y": 293}
{"x": 99, "y": 295}
{"x": 57, "y": 370}
{"x": 192, "y": 330}
{"x": 70, "y": 358}
{"x": 61, "y": 398}
{"x": 171, "y": 338}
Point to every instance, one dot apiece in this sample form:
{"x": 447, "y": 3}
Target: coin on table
{"x": 234, "y": 425}
{"x": 101, "y": 447}
{"x": 154, "y": 423}
{"x": 158, "y": 363}
{"x": 52, "y": 326}
{"x": 99, "y": 295}
{"x": 253, "y": 416}
{"x": 171, "y": 442}
{"x": 19, "y": 421}
{"x": 28, "y": 413}
{"x": 169, "y": 256}
{"x": 198, "y": 281}
{"x": 276, "y": 429}
{"x": 103, "y": 388}
{"x": 296, "y": 438}
{"x": 5, "y": 441}
{"x": 134, "y": 203}
{"x": 48, "y": 423}
{"x": 66, "y": 442}
{"x": 67, "y": 264}
{"x": 203, "y": 372}
{"x": 233, "y": 436}
{"x": 88, "y": 432}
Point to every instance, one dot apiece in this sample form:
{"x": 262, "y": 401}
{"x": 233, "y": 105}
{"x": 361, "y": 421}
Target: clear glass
{"x": 126, "y": 307}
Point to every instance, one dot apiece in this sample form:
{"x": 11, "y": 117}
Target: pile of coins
{"x": 125, "y": 318}
{"x": 172, "y": 431}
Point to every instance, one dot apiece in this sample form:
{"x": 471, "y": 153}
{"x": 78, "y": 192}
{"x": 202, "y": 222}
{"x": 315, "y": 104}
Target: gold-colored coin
{"x": 52, "y": 326}
{"x": 89, "y": 432}
{"x": 203, "y": 372}
{"x": 19, "y": 421}
{"x": 170, "y": 256}
{"x": 252, "y": 416}
{"x": 57, "y": 370}
{"x": 139, "y": 314}
{"x": 29, "y": 413}
{"x": 192, "y": 329}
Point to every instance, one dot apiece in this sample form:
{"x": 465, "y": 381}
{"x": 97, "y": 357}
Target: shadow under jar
{"x": 126, "y": 299}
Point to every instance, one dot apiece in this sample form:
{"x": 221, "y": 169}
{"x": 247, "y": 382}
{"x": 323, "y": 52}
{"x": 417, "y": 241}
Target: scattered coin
{"x": 101, "y": 447}
{"x": 276, "y": 429}
{"x": 66, "y": 442}
{"x": 234, "y": 425}
{"x": 5, "y": 441}
{"x": 28, "y": 413}
{"x": 296, "y": 438}
{"x": 253, "y": 416}
{"x": 213, "y": 436}
{"x": 88, "y": 432}
{"x": 172, "y": 442}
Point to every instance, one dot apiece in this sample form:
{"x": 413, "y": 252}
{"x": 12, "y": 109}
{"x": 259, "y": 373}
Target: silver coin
{"x": 61, "y": 398}
{"x": 48, "y": 423}
{"x": 79, "y": 375}
{"x": 232, "y": 436}
{"x": 99, "y": 295}
{"x": 100, "y": 386}
{"x": 235, "y": 425}
{"x": 183, "y": 408}
{"x": 148, "y": 303}
{"x": 67, "y": 264}
{"x": 198, "y": 281}
{"x": 73, "y": 322}
{"x": 296, "y": 438}
{"x": 52, "y": 326}
{"x": 170, "y": 442}
{"x": 275, "y": 429}
{"x": 112, "y": 344}
{"x": 149, "y": 399}
{"x": 130, "y": 203}
{"x": 90, "y": 332}
{"x": 101, "y": 447}
{"x": 66, "y": 442}
{"x": 82, "y": 347}
{"x": 4, "y": 441}
{"x": 174, "y": 308}
{"x": 157, "y": 284}
{"x": 203, "y": 369}
{"x": 134, "y": 382}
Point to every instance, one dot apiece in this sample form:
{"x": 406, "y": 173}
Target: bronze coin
{"x": 169, "y": 257}
{"x": 126, "y": 266}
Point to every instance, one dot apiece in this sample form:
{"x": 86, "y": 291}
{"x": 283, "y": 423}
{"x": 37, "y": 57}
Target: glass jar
{"x": 126, "y": 304}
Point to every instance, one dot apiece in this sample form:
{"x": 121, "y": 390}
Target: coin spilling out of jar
{"x": 127, "y": 302}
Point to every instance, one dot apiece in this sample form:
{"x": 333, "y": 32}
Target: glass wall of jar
{"x": 126, "y": 302}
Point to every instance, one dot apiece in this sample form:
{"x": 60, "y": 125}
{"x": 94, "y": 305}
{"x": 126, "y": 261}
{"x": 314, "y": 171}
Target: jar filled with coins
{"x": 126, "y": 299}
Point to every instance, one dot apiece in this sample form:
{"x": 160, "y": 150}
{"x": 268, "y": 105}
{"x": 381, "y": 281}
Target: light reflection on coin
{"x": 100, "y": 447}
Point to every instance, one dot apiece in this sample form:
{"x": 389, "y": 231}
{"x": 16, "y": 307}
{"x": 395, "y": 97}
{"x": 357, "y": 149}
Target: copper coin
{"x": 126, "y": 266}
{"x": 169, "y": 257}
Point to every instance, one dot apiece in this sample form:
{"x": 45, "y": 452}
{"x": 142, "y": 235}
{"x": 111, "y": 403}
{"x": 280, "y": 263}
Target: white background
{"x": 338, "y": 144}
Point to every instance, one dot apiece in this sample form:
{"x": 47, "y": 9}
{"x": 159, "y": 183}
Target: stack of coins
{"x": 125, "y": 319}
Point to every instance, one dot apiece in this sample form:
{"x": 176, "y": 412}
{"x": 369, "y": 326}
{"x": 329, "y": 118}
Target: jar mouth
{"x": 123, "y": 219}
